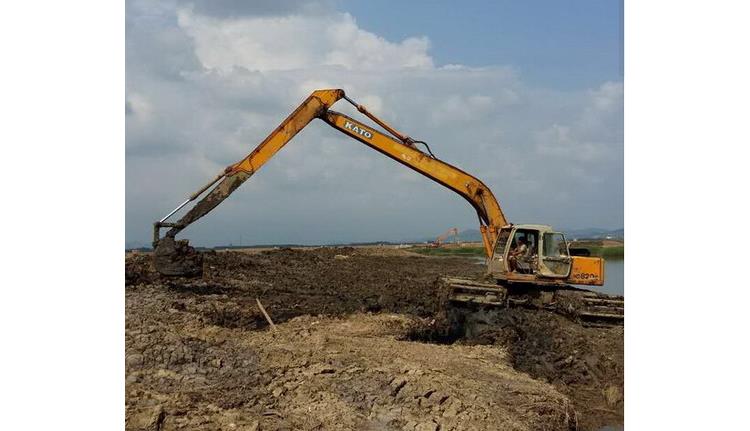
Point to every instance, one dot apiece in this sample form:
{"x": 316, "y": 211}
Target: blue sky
{"x": 565, "y": 44}
{"x": 531, "y": 104}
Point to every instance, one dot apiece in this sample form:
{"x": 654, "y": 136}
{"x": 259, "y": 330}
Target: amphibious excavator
{"x": 527, "y": 264}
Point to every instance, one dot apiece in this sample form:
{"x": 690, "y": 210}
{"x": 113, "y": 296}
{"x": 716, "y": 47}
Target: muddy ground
{"x": 358, "y": 344}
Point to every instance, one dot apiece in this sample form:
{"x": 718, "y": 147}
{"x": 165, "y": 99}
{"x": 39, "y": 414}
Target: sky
{"x": 526, "y": 96}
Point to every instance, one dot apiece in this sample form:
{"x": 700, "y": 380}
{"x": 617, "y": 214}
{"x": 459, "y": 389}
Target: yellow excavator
{"x": 527, "y": 265}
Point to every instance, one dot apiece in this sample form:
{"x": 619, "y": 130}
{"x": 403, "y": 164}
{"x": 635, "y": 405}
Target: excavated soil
{"x": 359, "y": 343}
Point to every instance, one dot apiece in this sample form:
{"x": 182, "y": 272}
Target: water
{"x": 614, "y": 277}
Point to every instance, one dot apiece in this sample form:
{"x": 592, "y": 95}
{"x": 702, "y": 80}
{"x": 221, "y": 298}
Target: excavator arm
{"x": 400, "y": 148}
{"x": 234, "y": 175}
{"x": 479, "y": 196}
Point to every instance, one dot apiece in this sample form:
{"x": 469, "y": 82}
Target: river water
{"x": 614, "y": 277}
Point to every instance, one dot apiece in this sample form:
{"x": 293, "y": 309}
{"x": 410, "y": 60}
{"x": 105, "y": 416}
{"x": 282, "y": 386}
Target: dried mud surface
{"x": 352, "y": 350}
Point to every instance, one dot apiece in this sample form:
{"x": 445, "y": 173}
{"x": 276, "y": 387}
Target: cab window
{"x": 554, "y": 245}
{"x": 502, "y": 241}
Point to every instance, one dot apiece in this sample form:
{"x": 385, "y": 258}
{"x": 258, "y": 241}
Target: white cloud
{"x": 139, "y": 106}
{"x": 297, "y": 42}
{"x": 594, "y": 136}
{"x": 211, "y": 87}
{"x": 609, "y": 96}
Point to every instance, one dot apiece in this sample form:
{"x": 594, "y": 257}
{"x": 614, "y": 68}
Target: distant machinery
{"x": 440, "y": 240}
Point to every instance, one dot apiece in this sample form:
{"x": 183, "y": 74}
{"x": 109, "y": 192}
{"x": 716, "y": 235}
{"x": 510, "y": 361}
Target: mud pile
{"x": 290, "y": 283}
{"x": 200, "y": 355}
{"x": 585, "y": 363}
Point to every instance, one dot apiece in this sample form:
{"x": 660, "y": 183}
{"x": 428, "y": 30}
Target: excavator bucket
{"x": 177, "y": 258}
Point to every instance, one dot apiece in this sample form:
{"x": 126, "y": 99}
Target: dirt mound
{"x": 585, "y": 363}
{"x": 200, "y": 355}
{"x": 324, "y": 373}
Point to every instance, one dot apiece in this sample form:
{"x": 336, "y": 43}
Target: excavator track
{"x": 588, "y": 307}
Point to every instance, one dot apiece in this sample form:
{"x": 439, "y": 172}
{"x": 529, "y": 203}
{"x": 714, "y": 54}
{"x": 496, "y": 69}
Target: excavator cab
{"x": 537, "y": 254}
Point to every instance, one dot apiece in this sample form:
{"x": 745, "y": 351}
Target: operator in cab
{"x": 518, "y": 252}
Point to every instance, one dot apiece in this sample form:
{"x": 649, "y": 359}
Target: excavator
{"x": 440, "y": 240}
{"x": 528, "y": 265}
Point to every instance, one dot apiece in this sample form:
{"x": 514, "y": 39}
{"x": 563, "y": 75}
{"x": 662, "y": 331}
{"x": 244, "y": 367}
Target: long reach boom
{"x": 399, "y": 147}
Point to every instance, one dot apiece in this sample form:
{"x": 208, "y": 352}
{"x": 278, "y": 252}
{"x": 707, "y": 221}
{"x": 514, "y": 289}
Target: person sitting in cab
{"x": 518, "y": 252}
